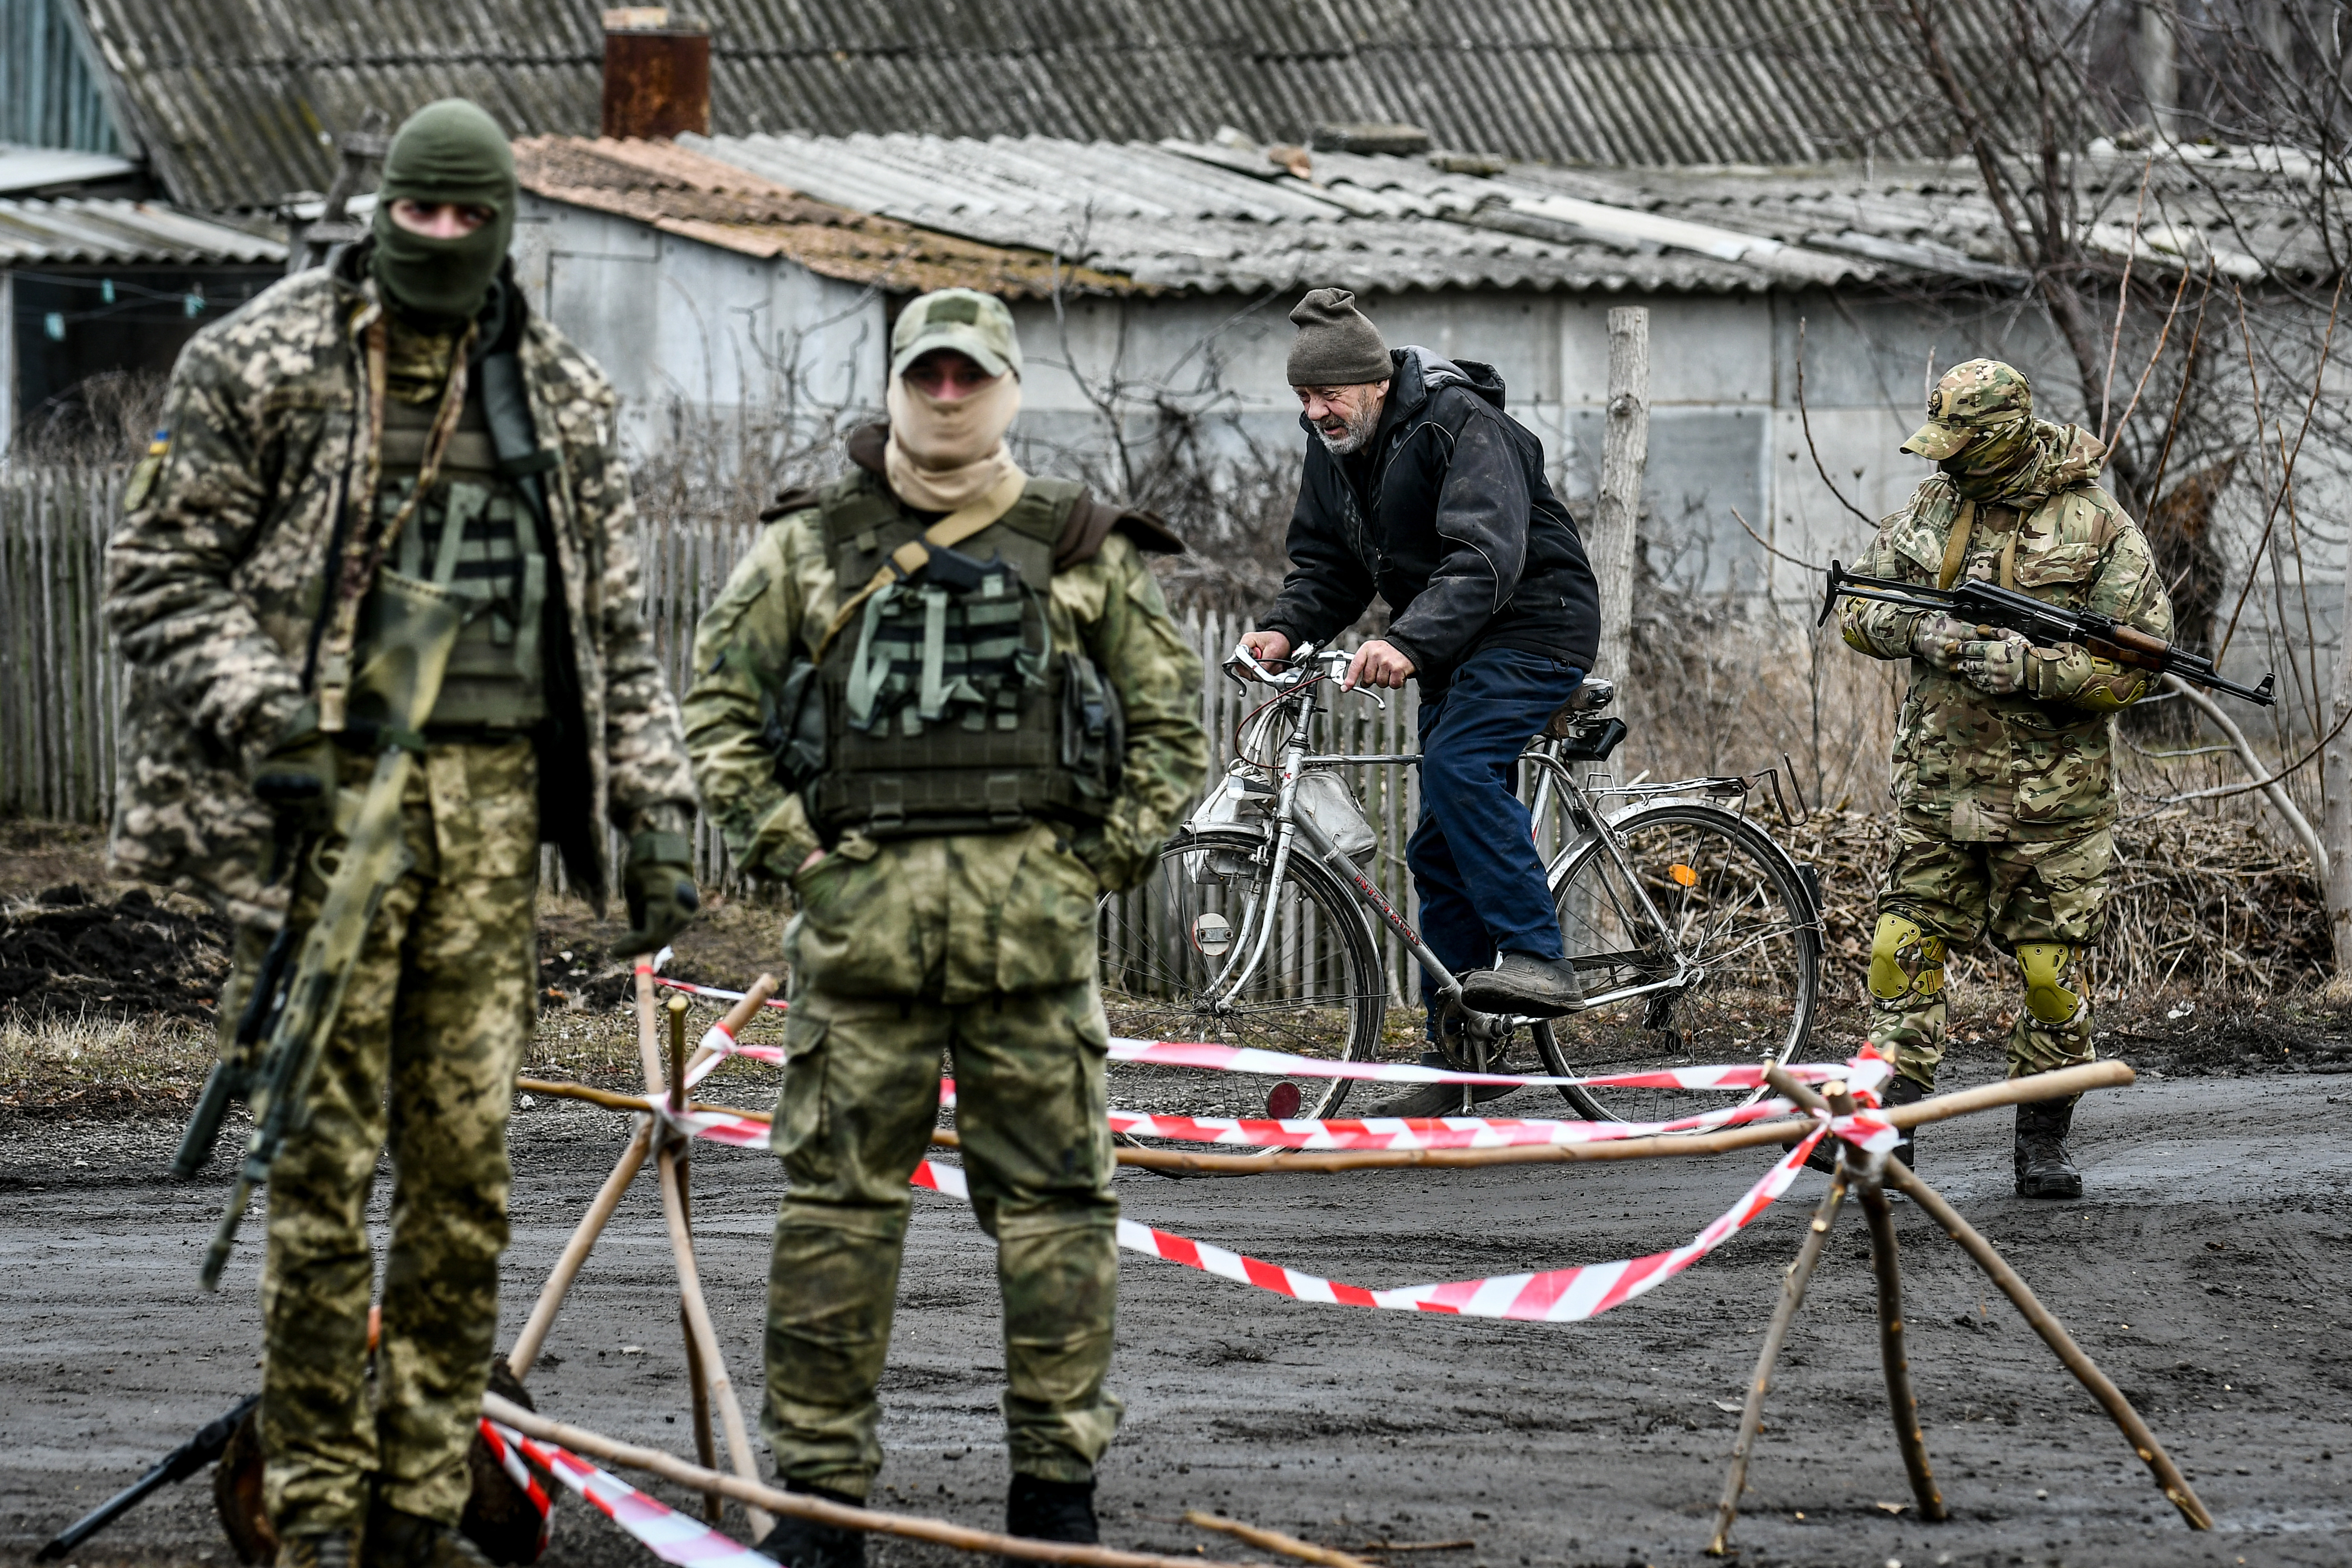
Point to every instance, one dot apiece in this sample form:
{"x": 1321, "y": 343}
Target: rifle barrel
{"x": 178, "y": 1465}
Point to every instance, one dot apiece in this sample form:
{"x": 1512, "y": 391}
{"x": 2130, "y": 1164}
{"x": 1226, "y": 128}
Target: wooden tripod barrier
{"x": 706, "y": 1370}
{"x": 1869, "y": 1174}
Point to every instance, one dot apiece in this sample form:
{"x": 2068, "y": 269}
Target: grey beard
{"x": 1360, "y": 431}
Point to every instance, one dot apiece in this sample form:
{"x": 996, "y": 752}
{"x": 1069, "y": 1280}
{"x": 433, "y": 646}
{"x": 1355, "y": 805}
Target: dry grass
{"x": 55, "y": 1062}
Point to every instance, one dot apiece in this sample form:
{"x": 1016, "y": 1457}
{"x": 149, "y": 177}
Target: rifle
{"x": 417, "y": 625}
{"x": 1990, "y": 604}
{"x": 178, "y": 1465}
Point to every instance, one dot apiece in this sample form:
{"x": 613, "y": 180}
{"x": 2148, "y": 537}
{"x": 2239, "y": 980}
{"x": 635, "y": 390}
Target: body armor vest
{"x": 474, "y": 534}
{"x": 947, "y": 709}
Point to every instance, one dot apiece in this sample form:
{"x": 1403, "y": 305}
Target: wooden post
{"x": 1625, "y": 454}
{"x": 1751, "y": 1418}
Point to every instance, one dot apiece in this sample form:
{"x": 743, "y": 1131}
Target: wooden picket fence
{"x": 62, "y": 682}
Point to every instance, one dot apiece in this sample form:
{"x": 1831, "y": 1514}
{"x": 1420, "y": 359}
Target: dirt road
{"x": 2205, "y": 1273}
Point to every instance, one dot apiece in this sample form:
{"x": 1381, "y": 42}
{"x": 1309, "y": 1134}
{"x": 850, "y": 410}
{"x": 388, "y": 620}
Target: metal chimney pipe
{"x": 657, "y": 73}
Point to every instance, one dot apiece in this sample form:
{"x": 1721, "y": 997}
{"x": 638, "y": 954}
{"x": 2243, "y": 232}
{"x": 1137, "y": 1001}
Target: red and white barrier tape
{"x": 1865, "y": 1071}
{"x": 510, "y": 1462}
{"x": 667, "y": 1534}
{"x": 1556, "y": 1296}
{"x": 1426, "y": 1133}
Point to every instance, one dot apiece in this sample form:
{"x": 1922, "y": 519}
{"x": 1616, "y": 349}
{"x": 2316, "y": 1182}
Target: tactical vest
{"x": 947, "y": 709}
{"x": 474, "y": 534}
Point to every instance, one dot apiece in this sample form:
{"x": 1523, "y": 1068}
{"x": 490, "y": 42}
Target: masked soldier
{"x": 393, "y": 428}
{"x": 2002, "y": 777}
{"x": 946, "y": 701}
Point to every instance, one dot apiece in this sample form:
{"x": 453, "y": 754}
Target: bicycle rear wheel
{"x": 1169, "y": 949}
{"x": 1733, "y": 913}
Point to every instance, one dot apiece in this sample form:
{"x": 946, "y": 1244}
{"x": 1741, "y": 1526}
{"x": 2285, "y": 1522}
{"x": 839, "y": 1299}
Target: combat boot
{"x": 1903, "y": 1090}
{"x": 806, "y": 1543}
{"x": 397, "y": 1540}
{"x": 2043, "y": 1171}
{"x": 1038, "y": 1510}
{"x": 330, "y": 1550}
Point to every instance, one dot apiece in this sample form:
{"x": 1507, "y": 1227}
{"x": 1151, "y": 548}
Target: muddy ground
{"x": 2205, "y": 1271}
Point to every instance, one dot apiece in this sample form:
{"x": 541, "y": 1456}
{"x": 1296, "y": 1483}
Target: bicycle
{"x": 1696, "y": 935}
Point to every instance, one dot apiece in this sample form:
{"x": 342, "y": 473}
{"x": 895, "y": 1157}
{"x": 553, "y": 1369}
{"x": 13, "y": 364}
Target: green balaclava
{"x": 447, "y": 151}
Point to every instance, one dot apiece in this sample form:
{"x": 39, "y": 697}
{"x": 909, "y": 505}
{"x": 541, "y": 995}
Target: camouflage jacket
{"x": 960, "y": 916}
{"x": 2036, "y": 765}
{"x": 220, "y": 571}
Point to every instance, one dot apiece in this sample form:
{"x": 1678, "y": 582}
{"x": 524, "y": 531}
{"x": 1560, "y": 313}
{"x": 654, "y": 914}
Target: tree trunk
{"x": 1624, "y": 453}
{"x": 2335, "y": 825}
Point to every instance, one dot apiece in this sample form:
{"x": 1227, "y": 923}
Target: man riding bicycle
{"x": 1419, "y": 488}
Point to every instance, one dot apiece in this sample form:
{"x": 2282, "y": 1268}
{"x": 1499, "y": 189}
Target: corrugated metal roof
{"x": 1208, "y": 217}
{"x": 1232, "y": 215}
{"x": 35, "y": 168}
{"x": 682, "y": 191}
{"x": 100, "y": 232}
{"x": 236, "y": 100}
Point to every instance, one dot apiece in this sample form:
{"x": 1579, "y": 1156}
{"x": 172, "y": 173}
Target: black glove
{"x": 659, "y": 884}
{"x": 296, "y": 778}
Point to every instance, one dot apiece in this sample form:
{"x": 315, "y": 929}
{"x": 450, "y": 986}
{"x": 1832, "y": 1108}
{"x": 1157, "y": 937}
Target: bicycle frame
{"x": 1291, "y": 829}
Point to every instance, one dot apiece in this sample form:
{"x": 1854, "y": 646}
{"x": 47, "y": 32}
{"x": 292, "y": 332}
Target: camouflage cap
{"x": 1973, "y": 398}
{"x": 963, "y": 320}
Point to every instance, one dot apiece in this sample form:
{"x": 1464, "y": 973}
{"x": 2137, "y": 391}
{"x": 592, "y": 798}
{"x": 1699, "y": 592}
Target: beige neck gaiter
{"x": 942, "y": 456}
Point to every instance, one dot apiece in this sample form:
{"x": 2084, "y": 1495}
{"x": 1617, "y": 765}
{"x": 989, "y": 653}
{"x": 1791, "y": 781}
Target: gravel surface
{"x": 2203, "y": 1272}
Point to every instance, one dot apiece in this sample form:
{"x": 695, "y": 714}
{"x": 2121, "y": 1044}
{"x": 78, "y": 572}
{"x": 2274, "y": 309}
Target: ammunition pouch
{"x": 945, "y": 707}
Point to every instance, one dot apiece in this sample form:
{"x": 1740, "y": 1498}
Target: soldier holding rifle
{"x": 2003, "y": 775}
{"x": 379, "y": 594}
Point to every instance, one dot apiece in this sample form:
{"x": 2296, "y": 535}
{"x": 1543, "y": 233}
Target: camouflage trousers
{"x": 860, "y": 1099}
{"x": 2020, "y": 894}
{"x": 423, "y": 1056}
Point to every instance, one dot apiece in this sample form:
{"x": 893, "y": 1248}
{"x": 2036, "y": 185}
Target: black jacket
{"x": 1446, "y": 514}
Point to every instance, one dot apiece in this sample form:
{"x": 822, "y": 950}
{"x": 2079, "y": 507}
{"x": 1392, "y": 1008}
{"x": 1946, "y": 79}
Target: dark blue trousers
{"x": 1473, "y": 855}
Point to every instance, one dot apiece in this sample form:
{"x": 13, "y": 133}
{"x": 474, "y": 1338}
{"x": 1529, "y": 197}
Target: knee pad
{"x": 1905, "y": 960}
{"x": 2047, "y": 967}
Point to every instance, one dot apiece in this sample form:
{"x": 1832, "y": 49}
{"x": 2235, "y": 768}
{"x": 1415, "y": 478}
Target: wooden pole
{"x": 1266, "y": 1539}
{"x": 2064, "y": 1083}
{"x": 2151, "y": 1453}
{"x": 1904, "y": 1405}
{"x": 801, "y": 1505}
{"x": 1751, "y": 1419}
{"x": 681, "y": 1168}
{"x": 738, "y": 1019}
{"x": 697, "y": 1322}
{"x": 1625, "y": 454}
{"x": 1864, "y": 1171}
{"x": 575, "y": 1252}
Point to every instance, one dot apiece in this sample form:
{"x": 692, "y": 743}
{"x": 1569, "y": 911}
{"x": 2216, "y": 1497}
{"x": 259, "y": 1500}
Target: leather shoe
{"x": 1525, "y": 986}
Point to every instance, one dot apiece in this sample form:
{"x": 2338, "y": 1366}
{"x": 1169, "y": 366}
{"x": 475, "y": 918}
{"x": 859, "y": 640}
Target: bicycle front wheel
{"x": 1178, "y": 965}
{"x": 1724, "y": 934}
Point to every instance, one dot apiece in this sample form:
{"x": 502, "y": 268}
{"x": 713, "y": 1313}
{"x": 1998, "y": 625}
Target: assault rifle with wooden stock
{"x": 2044, "y": 625}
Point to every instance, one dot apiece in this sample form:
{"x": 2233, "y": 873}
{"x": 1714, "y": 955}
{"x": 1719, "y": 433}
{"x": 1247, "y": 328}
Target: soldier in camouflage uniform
{"x": 399, "y": 410}
{"x": 948, "y": 792}
{"x": 2003, "y": 780}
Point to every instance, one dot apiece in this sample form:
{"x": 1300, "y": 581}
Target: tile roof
{"x": 236, "y": 100}
{"x": 98, "y": 232}
{"x": 685, "y": 193}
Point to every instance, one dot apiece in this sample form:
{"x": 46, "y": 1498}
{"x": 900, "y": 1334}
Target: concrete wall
{"x": 674, "y": 321}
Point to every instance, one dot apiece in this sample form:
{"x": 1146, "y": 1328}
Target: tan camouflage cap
{"x": 1973, "y": 398}
{"x": 963, "y": 320}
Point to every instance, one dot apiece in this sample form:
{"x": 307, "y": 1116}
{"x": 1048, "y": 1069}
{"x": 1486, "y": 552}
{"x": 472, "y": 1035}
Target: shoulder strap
{"x": 945, "y": 534}
{"x": 1956, "y": 548}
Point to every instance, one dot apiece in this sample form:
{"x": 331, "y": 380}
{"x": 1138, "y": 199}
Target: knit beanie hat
{"x": 1336, "y": 346}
